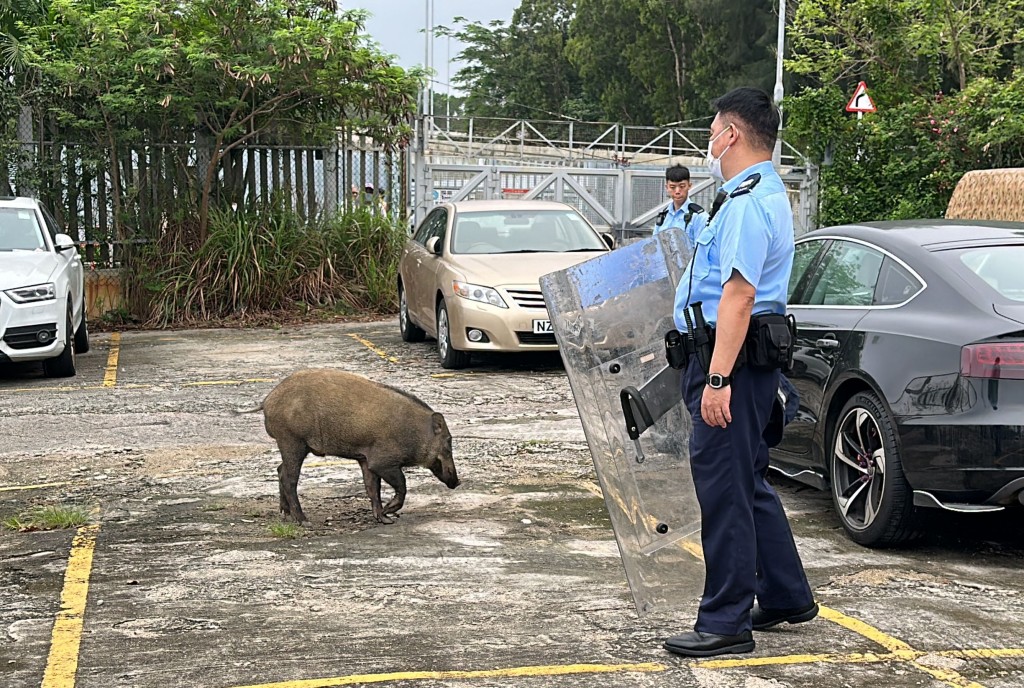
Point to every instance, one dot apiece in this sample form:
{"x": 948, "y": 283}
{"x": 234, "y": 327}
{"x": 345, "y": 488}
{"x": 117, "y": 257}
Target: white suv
{"x": 42, "y": 290}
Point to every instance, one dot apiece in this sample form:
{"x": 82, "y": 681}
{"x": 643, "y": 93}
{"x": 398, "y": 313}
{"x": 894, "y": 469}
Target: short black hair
{"x": 677, "y": 173}
{"x": 755, "y": 109}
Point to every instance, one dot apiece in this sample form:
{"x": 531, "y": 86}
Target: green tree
{"x": 605, "y": 34}
{"x": 216, "y": 72}
{"x": 520, "y": 69}
{"x": 949, "y": 89}
{"x": 16, "y": 18}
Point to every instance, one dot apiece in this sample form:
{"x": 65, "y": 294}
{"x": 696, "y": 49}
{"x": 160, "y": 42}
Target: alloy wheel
{"x": 443, "y": 340}
{"x": 859, "y": 465}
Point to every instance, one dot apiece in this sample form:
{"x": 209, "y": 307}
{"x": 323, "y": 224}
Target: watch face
{"x": 715, "y": 380}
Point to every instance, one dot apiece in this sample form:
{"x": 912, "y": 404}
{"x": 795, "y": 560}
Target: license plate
{"x": 542, "y": 327}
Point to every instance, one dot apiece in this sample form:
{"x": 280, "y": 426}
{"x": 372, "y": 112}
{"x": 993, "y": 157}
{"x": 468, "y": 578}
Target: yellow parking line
{"x": 211, "y": 383}
{"x": 947, "y": 676}
{"x": 321, "y": 464}
{"x": 860, "y": 628}
{"x": 850, "y": 658}
{"x": 62, "y": 663}
{"x": 1010, "y": 652}
{"x": 13, "y": 488}
{"x": 369, "y": 345}
{"x": 110, "y": 372}
{"x": 898, "y": 651}
{"x": 62, "y": 388}
{"x": 88, "y": 388}
{"x": 556, "y": 670}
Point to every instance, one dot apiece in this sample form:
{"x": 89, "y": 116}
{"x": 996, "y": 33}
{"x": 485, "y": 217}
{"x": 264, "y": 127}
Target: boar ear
{"x": 438, "y": 422}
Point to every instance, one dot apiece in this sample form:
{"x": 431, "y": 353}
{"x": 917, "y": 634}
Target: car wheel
{"x": 63, "y": 365}
{"x": 869, "y": 491}
{"x": 82, "y": 336}
{"x": 450, "y": 358}
{"x": 410, "y": 333}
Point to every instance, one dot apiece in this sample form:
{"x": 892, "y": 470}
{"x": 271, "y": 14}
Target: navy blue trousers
{"x": 748, "y": 545}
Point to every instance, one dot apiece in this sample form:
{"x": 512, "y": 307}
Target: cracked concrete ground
{"x": 513, "y": 578}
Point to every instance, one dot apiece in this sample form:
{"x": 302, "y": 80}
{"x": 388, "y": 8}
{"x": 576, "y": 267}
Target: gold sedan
{"x": 470, "y": 274}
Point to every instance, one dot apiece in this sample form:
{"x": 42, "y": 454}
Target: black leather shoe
{"x": 697, "y": 644}
{"x": 761, "y": 619}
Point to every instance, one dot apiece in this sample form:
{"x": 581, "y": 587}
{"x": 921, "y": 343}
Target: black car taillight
{"x": 993, "y": 360}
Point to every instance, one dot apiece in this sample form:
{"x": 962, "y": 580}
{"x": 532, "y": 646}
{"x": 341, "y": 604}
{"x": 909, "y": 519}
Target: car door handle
{"x": 827, "y": 342}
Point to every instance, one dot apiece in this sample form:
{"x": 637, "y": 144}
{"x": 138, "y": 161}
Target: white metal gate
{"x": 613, "y": 174}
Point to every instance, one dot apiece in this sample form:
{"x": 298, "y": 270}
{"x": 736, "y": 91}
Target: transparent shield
{"x": 610, "y": 316}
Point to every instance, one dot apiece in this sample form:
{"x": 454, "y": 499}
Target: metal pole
{"x": 430, "y": 38}
{"x": 426, "y": 56}
{"x": 779, "y": 90}
{"x": 448, "y": 82}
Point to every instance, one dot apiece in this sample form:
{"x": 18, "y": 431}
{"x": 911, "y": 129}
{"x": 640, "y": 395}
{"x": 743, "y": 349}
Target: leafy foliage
{"x": 634, "y": 61}
{"x": 949, "y": 90}
{"x": 217, "y": 73}
{"x": 270, "y": 260}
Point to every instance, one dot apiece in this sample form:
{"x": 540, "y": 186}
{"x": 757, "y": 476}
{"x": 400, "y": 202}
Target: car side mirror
{"x": 433, "y": 245}
{"x": 62, "y": 242}
{"x": 609, "y": 240}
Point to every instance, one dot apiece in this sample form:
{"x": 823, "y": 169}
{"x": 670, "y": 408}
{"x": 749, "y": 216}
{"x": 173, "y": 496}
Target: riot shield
{"x": 610, "y": 316}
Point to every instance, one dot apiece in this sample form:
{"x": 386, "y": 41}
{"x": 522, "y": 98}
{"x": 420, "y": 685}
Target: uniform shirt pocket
{"x": 705, "y": 253}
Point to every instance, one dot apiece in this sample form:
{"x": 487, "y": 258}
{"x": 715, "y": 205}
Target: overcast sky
{"x": 398, "y": 26}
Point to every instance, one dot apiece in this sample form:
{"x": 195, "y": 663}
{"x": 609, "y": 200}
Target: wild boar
{"x": 334, "y": 413}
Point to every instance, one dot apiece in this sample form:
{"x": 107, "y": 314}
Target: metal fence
{"x": 150, "y": 185}
{"x": 612, "y": 173}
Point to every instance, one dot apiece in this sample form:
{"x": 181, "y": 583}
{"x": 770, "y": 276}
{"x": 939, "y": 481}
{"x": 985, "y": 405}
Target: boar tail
{"x": 252, "y": 410}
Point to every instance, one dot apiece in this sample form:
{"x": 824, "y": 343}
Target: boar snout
{"x": 445, "y": 473}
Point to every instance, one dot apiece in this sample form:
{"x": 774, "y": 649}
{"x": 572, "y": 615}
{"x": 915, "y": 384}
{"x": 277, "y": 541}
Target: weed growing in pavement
{"x": 47, "y": 518}
{"x": 285, "y": 530}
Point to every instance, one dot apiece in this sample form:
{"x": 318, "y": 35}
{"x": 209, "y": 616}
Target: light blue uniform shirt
{"x": 751, "y": 234}
{"x": 677, "y": 218}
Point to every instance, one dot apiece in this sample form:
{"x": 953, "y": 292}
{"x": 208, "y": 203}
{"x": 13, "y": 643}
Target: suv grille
{"x": 527, "y": 298}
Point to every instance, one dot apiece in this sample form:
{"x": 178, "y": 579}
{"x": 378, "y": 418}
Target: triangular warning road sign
{"x": 861, "y": 101}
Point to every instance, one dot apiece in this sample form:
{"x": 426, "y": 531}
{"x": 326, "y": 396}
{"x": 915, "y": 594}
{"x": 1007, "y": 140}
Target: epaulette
{"x": 746, "y": 185}
{"x": 691, "y": 210}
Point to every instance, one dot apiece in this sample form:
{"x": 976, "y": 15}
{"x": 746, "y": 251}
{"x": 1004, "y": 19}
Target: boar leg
{"x": 396, "y": 479}
{"x": 293, "y": 453}
{"x": 372, "y": 482}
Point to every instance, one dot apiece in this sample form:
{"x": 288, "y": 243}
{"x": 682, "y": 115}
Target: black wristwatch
{"x": 718, "y": 381}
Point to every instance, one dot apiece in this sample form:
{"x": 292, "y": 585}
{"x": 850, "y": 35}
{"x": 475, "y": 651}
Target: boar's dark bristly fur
{"x": 334, "y": 413}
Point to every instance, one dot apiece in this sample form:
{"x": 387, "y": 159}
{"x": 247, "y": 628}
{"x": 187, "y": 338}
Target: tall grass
{"x": 269, "y": 261}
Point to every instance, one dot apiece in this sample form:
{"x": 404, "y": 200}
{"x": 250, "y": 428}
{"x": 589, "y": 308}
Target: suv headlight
{"x": 37, "y": 292}
{"x": 474, "y": 292}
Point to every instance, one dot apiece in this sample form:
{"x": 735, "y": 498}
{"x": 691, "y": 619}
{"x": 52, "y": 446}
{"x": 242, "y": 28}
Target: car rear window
{"x": 19, "y": 230}
{"x": 1001, "y": 268}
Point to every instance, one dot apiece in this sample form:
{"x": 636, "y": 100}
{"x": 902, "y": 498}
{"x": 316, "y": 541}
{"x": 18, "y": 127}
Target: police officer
{"x": 680, "y": 211}
{"x": 740, "y": 267}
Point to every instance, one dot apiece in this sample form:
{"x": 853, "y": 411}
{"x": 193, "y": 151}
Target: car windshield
{"x": 1000, "y": 267}
{"x": 19, "y": 230}
{"x": 523, "y": 231}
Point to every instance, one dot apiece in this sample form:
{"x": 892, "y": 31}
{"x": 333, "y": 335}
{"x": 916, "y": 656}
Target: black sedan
{"x": 910, "y": 367}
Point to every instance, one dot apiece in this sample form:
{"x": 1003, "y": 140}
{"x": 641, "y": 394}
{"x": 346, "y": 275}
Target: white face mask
{"x": 715, "y": 164}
